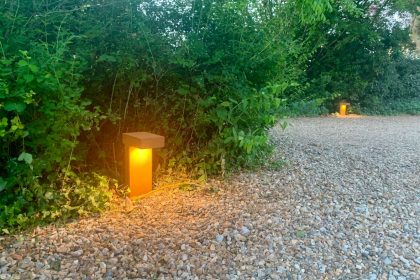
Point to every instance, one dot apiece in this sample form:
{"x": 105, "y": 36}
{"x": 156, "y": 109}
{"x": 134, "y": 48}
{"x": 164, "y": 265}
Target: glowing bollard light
{"x": 138, "y": 160}
{"x": 343, "y": 108}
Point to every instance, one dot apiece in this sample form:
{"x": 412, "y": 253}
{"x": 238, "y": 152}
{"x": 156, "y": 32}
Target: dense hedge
{"x": 76, "y": 74}
{"x": 397, "y": 90}
{"x": 210, "y": 75}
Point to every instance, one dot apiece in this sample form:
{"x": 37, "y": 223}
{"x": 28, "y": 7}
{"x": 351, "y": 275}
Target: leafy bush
{"x": 209, "y": 75}
{"x": 356, "y": 46}
{"x": 395, "y": 107}
{"x": 42, "y": 114}
{"x": 396, "y": 91}
{"x": 71, "y": 196}
{"x": 309, "y": 108}
{"x": 189, "y": 73}
{"x": 197, "y": 81}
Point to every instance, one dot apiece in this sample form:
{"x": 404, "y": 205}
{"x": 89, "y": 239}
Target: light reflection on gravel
{"x": 345, "y": 206}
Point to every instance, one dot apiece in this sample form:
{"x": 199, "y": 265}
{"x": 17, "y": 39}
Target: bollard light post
{"x": 343, "y": 108}
{"x": 138, "y": 160}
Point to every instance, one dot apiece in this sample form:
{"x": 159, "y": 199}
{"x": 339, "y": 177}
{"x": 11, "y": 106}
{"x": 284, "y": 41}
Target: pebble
{"x": 244, "y": 230}
{"x": 77, "y": 253}
{"x": 219, "y": 238}
{"x": 62, "y": 249}
{"x": 102, "y": 266}
{"x": 39, "y": 265}
{"x": 281, "y": 269}
{"x": 322, "y": 268}
{"x": 387, "y": 261}
{"x": 365, "y": 253}
{"x": 405, "y": 261}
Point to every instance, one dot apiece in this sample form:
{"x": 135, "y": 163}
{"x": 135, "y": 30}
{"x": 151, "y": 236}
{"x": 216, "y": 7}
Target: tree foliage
{"x": 356, "y": 46}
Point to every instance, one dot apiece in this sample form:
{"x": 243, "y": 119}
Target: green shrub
{"x": 308, "y": 108}
{"x": 42, "y": 114}
{"x": 396, "y": 91}
{"x": 359, "y": 55}
{"x": 189, "y": 74}
{"x": 71, "y": 196}
{"x": 210, "y": 77}
{"x": 211, "y": 93}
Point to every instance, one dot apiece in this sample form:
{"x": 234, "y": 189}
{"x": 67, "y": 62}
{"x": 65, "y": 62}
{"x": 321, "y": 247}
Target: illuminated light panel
{"x": 343, "y": 109}
{"x": 140, "y": 171}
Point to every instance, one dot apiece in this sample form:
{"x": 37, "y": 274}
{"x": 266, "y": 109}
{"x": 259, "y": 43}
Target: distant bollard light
{"x": 343, "y": 108}
{"x": 138, "y": 160}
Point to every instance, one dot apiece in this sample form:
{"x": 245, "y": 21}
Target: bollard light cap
{"x": 143, "y": 140}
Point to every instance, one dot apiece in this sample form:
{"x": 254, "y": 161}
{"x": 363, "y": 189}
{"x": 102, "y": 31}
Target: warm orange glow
{"x": 140, "y": 171}
{"x": 343, "y": 109}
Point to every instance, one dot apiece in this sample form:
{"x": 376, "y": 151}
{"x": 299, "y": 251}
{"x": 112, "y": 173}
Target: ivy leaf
{"x": 25, "y": 157}
{"x": 16, "y": 124}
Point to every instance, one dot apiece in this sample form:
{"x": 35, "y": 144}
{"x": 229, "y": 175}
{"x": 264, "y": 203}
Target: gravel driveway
{"x": 345, "y": 206}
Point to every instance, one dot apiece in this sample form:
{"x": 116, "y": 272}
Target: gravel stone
{"x": 387, "y": 261}
{"x": 405, "y": 261}
{"x": 102, "y": 266}
{"x": 322, "y": 268}
{"x": 244, "y": 230}
{"x": 345, "y": 205}
{"x": 77, "y": 253}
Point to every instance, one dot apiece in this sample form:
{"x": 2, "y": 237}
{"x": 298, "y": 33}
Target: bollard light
{"x": 343, "y": 108}
{"x": 138, "y": 160}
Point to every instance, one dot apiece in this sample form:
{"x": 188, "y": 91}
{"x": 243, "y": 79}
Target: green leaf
{"x": 4, "y": 122}
{"x": 300, "y": 234}
{"x": 3, "y": 184}
{"x": 28, "y": 78}
{"x": 13, "y": 106}
{"x": 183, "y": 90}
{"x": 25, "y": 157}
{"x": 33, "y": 68}
{"x": 284, "y": 125}
{"x": 16, "y": 124}
{"x": 22, "y": 63}
{"x": 107, "y": 58}
{"x": 48, "y": 195}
